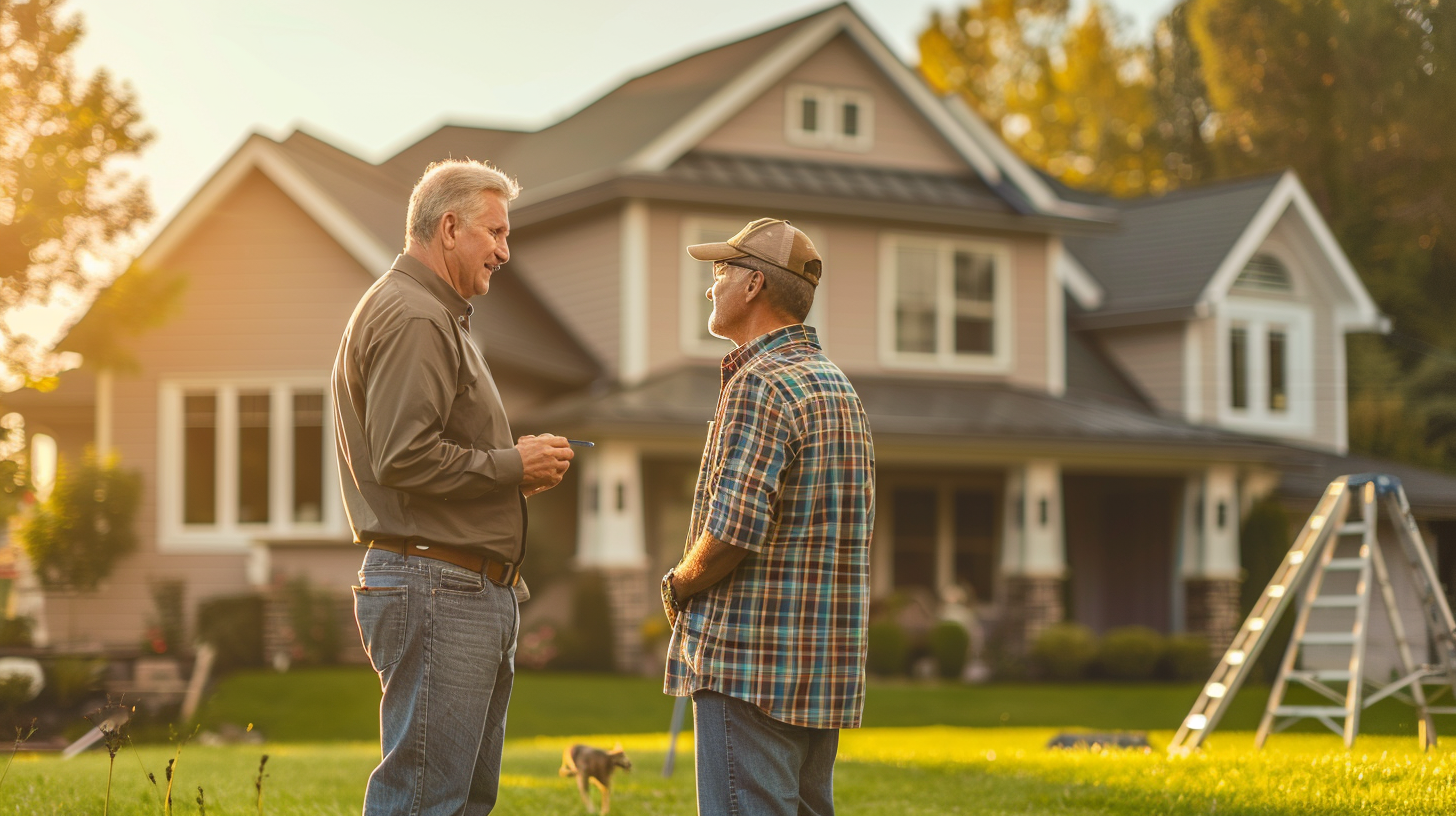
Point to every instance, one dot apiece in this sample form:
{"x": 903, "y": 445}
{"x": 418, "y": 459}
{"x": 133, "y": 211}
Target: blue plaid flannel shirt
{"x": 787, "y": 474}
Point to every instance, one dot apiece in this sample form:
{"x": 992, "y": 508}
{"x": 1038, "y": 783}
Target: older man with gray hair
{"x": 436, "y": 490}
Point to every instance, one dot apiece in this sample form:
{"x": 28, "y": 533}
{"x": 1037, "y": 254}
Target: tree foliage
{"x": 1354, "y": 95}
{"x": 63, "y": 201}
{"x": 76, "y": 536}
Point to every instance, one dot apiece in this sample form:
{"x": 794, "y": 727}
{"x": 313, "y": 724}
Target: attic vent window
{"x": 1264, "y": 273}
{"x": 829, "y": 118}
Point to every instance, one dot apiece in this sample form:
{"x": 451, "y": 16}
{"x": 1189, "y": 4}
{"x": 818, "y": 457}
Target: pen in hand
{"x": 581, "y": 443}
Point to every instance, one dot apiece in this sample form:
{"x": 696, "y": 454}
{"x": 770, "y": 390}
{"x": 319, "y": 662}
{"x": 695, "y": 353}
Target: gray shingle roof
{"x": 1167, "y": 249}
{"x": 1432, "y": 494}
{"x": 836, "y": 180}
{"x": 679, "y": 402}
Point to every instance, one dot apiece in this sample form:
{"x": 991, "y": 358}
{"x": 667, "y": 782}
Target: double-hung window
{"x": 833, "y": 118}
{"x": 697, "y": 277}
{"x": 945, "y": 303}
{"x": 246, "y": 459}
{"x": 1267, "y": 365}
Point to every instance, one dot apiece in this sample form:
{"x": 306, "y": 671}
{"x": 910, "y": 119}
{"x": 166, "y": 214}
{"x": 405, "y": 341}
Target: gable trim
{"x": 1289, "y": 193}
{"x": 262, "y": 154}
{"x": 1078, "y": 282}
{"x": 754, "y": 82}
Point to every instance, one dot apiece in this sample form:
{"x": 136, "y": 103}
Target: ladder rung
{"x": 1328, "y": 639}
{"x": 1346, "y": 564}
{"x": 1322, "y": 674}
{"x": 1310, "y": 711}
{"x": 1353, "y": 528}
{"x": 1336, "y": 601}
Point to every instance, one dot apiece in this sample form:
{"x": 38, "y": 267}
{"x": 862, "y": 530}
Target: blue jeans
{"x": 443, "y": 640}
{"x": 750, "y": 764}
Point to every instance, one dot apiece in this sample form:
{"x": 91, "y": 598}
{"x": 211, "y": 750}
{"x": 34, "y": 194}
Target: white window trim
{"x": 690, "y": 330}
{"x": 945, "y": 358}
{"x": 1258, "y": 317}
{"x": 830, "y": 134}
{"x": 228, "y": 535}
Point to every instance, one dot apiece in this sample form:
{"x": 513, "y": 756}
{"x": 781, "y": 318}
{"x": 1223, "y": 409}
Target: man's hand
{"x": 544, "y": 460}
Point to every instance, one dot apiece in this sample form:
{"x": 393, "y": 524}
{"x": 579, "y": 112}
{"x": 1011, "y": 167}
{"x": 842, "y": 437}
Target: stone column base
{"x": 632, "y": 597}
{"x": 1212, "y": 610}
{"x": 1029, "y": 604}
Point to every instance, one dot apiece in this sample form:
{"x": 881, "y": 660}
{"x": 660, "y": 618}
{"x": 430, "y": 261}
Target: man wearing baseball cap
{"x": 769, "y": 601}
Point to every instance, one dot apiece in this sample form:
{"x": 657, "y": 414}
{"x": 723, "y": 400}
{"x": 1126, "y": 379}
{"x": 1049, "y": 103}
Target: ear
{"x": 449, "y": 227}
{"x": 753, "y": 287}
{"x": 617, "y": 749}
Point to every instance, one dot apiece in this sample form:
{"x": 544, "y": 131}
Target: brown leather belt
{"x": 500, "y": 573}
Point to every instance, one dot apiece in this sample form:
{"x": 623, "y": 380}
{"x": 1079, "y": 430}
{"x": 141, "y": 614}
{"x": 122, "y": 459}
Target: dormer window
{"x": 1264, "y": 273}
{"x": 831, "y": 118}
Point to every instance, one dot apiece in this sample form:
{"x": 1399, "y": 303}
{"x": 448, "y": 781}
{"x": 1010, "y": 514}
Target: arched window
{"x": 1264, "y": 273}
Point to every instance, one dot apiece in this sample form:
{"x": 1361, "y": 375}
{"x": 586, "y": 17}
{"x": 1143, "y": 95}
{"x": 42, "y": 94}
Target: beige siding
{"x": 1153, "y": 357}
{"x": 268, "y": 293}
{"x": 902, "y": 136}
{"x": 850, "y": 324}
{"x": 573, "y": 266}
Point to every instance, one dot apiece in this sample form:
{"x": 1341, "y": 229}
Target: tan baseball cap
{"x": 772, "y": 240}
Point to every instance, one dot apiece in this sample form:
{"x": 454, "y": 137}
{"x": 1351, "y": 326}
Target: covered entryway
{"x": 1121, "y": 535}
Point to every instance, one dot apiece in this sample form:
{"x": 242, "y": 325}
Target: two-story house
{"x": 1072, "y": 400}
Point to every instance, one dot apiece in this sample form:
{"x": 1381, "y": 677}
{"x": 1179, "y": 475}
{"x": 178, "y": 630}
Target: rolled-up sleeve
{"x": 758, "y": 438}
{"x": 410, "y": 386}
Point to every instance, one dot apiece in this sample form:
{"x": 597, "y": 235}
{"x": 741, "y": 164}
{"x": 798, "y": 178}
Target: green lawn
{"x": 986, "y": 755}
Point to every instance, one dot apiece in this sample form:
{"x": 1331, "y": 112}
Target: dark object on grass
{"x": 1064, "y": 651}
{"x": 1114, "y": 739}
{"x": 889, "y": 648}
{"x": 1130, "y": 653}
{"x": 233, "y": 624}
{"x": 950, "y": 645}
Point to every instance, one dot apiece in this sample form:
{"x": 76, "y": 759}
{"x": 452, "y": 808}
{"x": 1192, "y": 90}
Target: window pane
{"x": 1239, "y": 367}
{"x": 708, "y": 235}
{"x": 915, "y": 280}
{"x": 810, "y": 116}
{"x": 253, "y": 420}
{"x": 308, "y": 457}
{"x": 915, "y": 520}
{"x": 1278, "y": 396}
{"x": 975, "y": 284}
{"x": 851, "y": 119}
{"x": 199, "y": 459}
{"x": 975, "y": 542}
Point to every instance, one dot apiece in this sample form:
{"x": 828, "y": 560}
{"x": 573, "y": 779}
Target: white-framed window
{"x": 835, "y": 118}
{"x": 697, "y": 277}
{"x": 244, "y": 459}
{"x": 1266, "y": 367}
{"x": 945, "y": 303}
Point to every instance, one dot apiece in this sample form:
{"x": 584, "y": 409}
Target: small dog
{"x": 594, "y": 765}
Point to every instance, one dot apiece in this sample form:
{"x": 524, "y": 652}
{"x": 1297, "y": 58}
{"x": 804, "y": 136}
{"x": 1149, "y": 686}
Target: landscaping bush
{"x": 1185, "y": 658}
{"x": 950, "y": 645}
{"x": 72, "y": 679}
{"x": 233, "y": 624}
{"x": 16, "y": 632}
{"x": 314, "y": 623}
{"x": 587, "y": 644}
{"x": 1130, "y": 653}
{"x": 1064, "y": 651}
{"x": 889, "y": 648}
{"x": 166, "y": 632}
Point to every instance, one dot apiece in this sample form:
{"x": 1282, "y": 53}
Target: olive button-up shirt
{"x": 425, "y": 449}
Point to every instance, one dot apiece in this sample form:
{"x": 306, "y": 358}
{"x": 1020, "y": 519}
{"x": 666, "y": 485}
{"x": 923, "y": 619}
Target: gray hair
{"x": 454, "y": 185}
{"x": 786, "y": 292}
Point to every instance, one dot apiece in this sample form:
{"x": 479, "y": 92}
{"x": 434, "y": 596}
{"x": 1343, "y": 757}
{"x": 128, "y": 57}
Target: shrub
{"x": 166, "y": 631}
{"x": 1130, "y": 653}
{"x": 1064, "y": 651}
{"x": 233, "y": 624}
{"x": 889, "y": 648}
{"x": 16, "y": 631}
{"x": 76, "y": 535}
{"x": 73, "y": 678}
{"x": 1186, "y": 658}
{"x": 587, "y": 644}
{"x": 950, "y": 645}
{"x": 314, "y": 622}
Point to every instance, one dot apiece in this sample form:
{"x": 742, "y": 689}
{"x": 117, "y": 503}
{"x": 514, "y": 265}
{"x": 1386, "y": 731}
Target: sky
{"x": 371, "y": 77}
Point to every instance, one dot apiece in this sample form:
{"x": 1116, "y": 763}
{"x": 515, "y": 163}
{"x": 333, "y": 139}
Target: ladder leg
{"x": 1368, "y": 549}
{"x": 1402, "y": 643}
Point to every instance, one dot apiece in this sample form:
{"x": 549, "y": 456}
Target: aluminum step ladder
{"x": 1339, "y": 539}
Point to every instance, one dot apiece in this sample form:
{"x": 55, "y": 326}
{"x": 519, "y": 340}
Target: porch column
{"x": 1033, "y": 554}
{"x": 610, "y": 540}
{"x": 1210, "y": 556}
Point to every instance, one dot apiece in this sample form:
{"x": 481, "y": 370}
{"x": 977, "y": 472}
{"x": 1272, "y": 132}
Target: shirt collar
{"x": 459, "y": 307}
{"x": 778, "y": 338}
